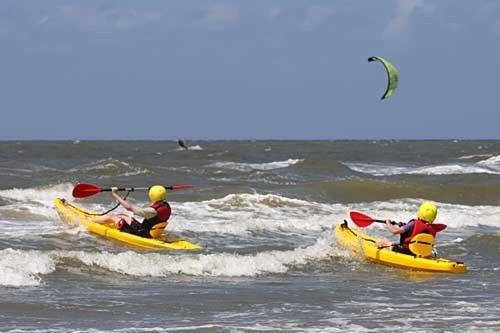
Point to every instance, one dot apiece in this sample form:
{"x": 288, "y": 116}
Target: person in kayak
{"x": 422, "y": 224}
{"x": 148, "y": 222}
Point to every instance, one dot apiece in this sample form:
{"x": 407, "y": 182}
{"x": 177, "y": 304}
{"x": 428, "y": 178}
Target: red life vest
{"x": 163, "y": 210}
{"x": 419, "y": 227}
{"x": 154, "y": 226}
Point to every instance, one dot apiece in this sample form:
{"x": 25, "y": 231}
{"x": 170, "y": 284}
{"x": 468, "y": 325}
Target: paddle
{"x": 84, "y": 190}
{"x": 362, "y": 220}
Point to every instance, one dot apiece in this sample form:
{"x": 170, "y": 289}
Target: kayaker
{"x": 422, "y": 224}
{"x": 148, "y": 222}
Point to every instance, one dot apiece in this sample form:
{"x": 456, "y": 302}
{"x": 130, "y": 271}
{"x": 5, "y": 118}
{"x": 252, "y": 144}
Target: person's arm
{"x": 124, "y": 203}
{"x": 145, "y": 213}
{"x": 395, "y": 229}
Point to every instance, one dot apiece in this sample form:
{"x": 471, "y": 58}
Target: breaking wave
{"x": 488, "y": 166}
{"x": 247, "y": 167}
{"x": 25, "y": 268}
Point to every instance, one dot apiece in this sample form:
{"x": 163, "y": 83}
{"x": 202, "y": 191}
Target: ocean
{"x": 264, "y": 212}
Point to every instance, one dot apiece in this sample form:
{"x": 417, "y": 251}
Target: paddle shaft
{"x": 438, "y": 226}
{"x": 132, "y": 189}
{"x": 383, "y": 221}
{"x": 84, "y": 190}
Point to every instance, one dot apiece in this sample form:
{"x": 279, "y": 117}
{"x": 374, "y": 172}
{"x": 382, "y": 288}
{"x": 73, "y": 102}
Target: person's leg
{"x": 105, "y": 218}
{"x": 131, "y": 226}
{"x": 401, "y": 249}
{"x": 115, "y": 219}
{"x": 383, "y": 243}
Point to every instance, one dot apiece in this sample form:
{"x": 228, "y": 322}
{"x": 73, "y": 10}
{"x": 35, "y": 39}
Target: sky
{"x": 240, "y": 69}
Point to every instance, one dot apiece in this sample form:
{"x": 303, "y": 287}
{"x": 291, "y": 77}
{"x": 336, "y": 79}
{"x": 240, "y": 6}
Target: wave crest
{"x": 488, "y": 166}
{"x": 220, "y": 264}
{"x": 109, "y": 167}
{"x": 23, "y": 268}
{"x": 248, "y": 167}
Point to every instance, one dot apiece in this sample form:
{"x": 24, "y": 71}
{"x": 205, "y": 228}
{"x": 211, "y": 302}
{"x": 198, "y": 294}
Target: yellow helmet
{"x": 157, "y": 193}
{"x": 427, "y": 212}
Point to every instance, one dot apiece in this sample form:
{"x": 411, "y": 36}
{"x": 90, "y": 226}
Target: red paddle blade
{"x": 361, "y": 220}
{"x": 438, "y": 226}
{"x": 181, "y": 186}
{"x": 85, "y": 190}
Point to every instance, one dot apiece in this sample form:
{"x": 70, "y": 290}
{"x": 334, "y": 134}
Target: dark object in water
{"x": 182, "y": 144}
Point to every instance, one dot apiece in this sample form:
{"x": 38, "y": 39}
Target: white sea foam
{"x": 43, "y": 195}
{"x": 31, "y": 211}
{"x": 469, "y": 157}
{"x": 23, "y": 228}
{"x": 195, "y": 147}
{"x": 220, "y": 264}
{"x": 247, "y": 167}
{"x": 335, "y": 324}
{"x": 16, "y": 172}
{"x": 492, "y": 163}
{"x": 114, "y": 167}
{"x": 489, "y": 166}
{"x": 23, "y": 268}
{"x": 238, "y": 214}
{"x": 244, "y": 213}
{"x": 26, "y": 268}
{"x": 339, "y": 326}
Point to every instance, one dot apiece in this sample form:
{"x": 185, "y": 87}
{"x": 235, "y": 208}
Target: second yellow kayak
{"x": 356, "y": 241}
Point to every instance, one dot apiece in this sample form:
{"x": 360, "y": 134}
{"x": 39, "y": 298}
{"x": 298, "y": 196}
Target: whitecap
{"x": 43, "y": 194}
{"x": 220, "y": 264}
{"x": 445, "y": 169}
{"x": 249, "y": 212}
{"x": 23, "y": 268}
{"x": 247, "y": 167}
{"x": 114, "y": 168}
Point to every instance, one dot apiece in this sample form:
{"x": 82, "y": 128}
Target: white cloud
{"x": 315, "y": 16}
{"x": 399, "y": 28}
{"x": 220, "y": 15}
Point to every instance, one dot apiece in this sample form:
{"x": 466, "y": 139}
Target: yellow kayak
{"x": 72, "y": 214}
{"x": 356, "y": 241}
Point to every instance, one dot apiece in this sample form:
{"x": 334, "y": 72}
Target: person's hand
{"x": 388, "y": 222}
{"x": 114, "y": 190}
